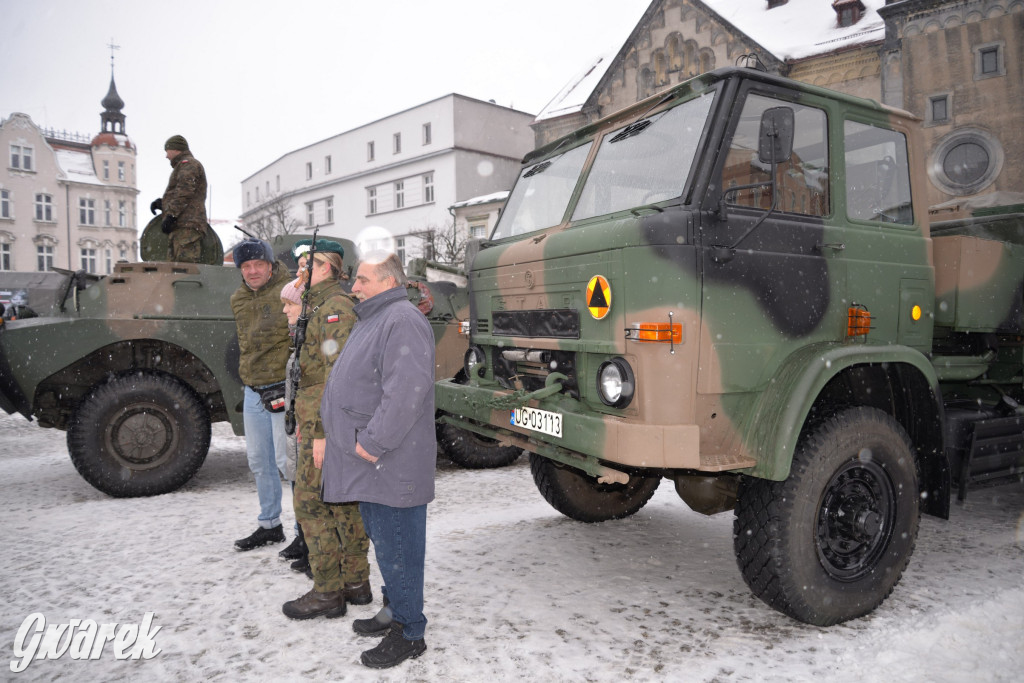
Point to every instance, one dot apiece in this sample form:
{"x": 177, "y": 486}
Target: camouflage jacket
{"x": 330, "y": 321}
{"x": 263, "y": 339}
{"x": 185, "y": 196}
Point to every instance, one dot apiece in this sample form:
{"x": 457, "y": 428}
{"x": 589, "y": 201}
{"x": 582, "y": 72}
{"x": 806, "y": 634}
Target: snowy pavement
{"x": 514, "y": 590}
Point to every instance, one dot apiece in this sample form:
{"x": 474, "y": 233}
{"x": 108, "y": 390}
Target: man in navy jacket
{"x": 378, "y": 416}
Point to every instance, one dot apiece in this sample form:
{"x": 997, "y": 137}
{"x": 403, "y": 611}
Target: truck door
{"x": 772, "y": 257}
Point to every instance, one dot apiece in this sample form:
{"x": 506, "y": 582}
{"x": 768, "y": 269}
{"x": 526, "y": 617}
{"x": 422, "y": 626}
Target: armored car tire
{"x": 579, "y": 496}
{"x": 473, "y": 451}
{"x": 139, "y": 435}
{"x": 830, "y": 542}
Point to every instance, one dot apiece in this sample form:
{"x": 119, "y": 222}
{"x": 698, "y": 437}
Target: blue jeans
{"x": 266, "y": 447}
{"x": 399, "y": 537}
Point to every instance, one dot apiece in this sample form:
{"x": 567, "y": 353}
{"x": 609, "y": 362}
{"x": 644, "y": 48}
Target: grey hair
{"x": 386, "y": 265}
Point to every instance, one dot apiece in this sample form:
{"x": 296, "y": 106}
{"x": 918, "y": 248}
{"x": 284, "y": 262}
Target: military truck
{"x": 136, "y": 365}
{"x": 734, "y": 285}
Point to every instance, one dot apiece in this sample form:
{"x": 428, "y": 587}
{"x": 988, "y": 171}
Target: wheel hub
{"x": 141, "y": 437}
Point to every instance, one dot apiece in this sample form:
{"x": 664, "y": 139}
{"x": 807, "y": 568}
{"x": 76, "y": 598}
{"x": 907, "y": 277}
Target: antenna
{"x": 112, "y": 48}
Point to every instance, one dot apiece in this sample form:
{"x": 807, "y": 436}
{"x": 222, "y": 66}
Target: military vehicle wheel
{"x": 475, "y": 452}
{"x": 139, "y": 435}
{"x": 579, "y": 496}
{"x": 829, "y": 543}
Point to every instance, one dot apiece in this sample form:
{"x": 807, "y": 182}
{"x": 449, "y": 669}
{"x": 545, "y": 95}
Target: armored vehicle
{"x": 136, "y": 365}
{"x": 735, "y": 285}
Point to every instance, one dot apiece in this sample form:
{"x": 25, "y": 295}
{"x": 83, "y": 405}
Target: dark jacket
{"x": 381, "y": 394}
{"x": 263, "y": 339}
{"x": 185, "y": 196}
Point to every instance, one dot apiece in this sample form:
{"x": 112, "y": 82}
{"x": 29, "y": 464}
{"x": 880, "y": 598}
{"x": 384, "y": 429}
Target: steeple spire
{"x": 112, "y": 120}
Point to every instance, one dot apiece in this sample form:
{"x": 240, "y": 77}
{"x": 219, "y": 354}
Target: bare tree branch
{"x": 272, "y": 218}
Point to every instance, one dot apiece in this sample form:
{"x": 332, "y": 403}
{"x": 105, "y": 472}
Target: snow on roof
{"x": 77, "y": 166}
{"x": 800, "y": 28}
{"x": 484, "y": 199}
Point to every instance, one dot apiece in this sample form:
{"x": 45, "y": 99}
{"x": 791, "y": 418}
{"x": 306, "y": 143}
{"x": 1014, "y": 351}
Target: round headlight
{"x": 615, "y": 384}
{"x": 473, "y": 361}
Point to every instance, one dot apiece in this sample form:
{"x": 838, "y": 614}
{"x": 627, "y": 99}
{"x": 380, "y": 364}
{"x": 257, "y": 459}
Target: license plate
{"x": 542, "y": 421}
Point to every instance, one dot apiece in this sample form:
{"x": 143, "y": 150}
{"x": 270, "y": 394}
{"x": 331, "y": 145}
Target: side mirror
{"x": 775, "y": 142}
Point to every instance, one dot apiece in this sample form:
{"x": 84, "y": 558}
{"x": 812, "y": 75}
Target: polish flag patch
{"x": 333, "y": 318}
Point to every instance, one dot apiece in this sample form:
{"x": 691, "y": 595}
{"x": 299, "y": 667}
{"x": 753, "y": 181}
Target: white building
{"x": 66, "y": 200}
{"x": 390, "y": 182}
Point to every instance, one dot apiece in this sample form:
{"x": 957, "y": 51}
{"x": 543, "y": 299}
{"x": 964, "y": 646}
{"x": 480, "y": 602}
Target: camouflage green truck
{"x": 734, "y": 285}
{"x": 136, "y": 365}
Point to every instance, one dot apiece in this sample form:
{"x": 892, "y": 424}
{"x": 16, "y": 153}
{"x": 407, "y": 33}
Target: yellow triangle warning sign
{"x": 599, "y": 296}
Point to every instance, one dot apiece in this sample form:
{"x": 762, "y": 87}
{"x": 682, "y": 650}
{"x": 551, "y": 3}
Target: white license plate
{"x": 542, "y": 421}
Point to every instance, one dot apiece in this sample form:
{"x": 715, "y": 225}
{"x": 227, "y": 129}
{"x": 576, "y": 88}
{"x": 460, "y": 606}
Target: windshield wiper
{"x": 538, "y": 169}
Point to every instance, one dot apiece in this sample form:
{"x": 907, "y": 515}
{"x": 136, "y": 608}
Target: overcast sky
{"x": 246, "y": 81}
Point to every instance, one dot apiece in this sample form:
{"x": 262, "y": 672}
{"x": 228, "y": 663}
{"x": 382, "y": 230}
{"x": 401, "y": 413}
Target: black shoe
{"x": 377, "y": 626}
{"x": 261, "y": 537}
{"x": 330, "y": 604}
{"x": 394, "y": 649}
{"x": 358, "y": 593}
{"x": 301, "y": 565}
{"x": 296, "y": 549}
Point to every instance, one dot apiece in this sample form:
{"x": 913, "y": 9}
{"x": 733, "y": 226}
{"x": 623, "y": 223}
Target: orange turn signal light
{"x": 858, "y": 321}
{"x": 655, "y": 332}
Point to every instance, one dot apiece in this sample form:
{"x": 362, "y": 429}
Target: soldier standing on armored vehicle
{"x": 334, "y": 534}
{"x": 263, "y": 343}
{"x": 183, "y": 203}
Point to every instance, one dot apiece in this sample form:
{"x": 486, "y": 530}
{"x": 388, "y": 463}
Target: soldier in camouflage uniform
{"x": 334, "y": 533}
{"x": 183, "y": 203}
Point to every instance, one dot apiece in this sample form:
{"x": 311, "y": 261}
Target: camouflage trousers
{"x": 185, "y": 245}
{"x": 334, "y": 532}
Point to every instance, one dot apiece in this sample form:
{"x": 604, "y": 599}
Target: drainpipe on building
{"x": 67, "y": 212}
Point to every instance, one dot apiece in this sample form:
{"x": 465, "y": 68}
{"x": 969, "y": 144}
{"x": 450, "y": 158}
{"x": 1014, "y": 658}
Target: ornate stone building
{"x": 67, "y": 200}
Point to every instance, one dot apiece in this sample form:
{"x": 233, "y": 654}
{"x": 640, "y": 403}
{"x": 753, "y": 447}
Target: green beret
{"x": 176, "y": 142}
{"x": 303, "y": 246}
{"x": 300, "y": 248}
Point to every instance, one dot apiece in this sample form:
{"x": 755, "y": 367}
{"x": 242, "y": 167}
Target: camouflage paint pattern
{"x": 762, "y": 298}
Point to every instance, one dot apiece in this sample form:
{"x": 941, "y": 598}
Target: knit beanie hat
{"x": 251, "y": 249}
{"x": 291, "y": 292}
{"x": 176, "y": 142}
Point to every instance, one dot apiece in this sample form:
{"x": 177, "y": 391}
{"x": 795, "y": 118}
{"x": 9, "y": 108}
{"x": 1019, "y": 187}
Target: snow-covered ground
{"x": 514, "y": 590}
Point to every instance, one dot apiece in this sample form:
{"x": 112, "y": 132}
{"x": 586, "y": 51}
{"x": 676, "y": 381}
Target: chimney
{"x": 848, "y": 12}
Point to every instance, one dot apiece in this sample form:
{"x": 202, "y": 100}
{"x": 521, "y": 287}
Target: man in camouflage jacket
{"x": 183, "y": 203}
{"x": 334, "y": 534}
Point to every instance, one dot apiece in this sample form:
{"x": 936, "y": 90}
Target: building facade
{"x": 67, "y": 200}
{"x": 389, "y": 184}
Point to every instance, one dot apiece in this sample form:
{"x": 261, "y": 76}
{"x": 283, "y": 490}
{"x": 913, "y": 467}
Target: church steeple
{"x": 112, "y": 120}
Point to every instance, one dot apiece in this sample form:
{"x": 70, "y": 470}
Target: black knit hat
{"x": 176, "y": 142}
{"x": 251, "y": 249}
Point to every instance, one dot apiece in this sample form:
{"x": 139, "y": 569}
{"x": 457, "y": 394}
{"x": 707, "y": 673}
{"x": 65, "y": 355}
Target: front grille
{"x": 555, "y": 323}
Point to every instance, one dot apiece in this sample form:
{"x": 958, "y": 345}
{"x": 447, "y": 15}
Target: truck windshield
{"x": 541, "y": 195}
{"x": 646, "y": 162}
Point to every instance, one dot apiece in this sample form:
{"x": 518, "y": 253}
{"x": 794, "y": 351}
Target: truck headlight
{"x": 473, "y": 361}
{"x": 615, "y": 383}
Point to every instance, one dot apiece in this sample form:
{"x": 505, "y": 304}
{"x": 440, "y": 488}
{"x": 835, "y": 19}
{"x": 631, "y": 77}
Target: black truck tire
{"x": 830, "y": 542}
{"x": 475, "y": 452}
{"x": 139, "y": 435}
{"x": 579, "y": 496}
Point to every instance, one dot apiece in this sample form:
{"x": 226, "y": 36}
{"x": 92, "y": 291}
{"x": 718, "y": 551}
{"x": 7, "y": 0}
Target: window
{"x": 988, "y": 61}
{"x": 938, "y": 109}
{"x": 369, "y": 151}
{"x": 400, "y": 249}
{"x": 428, "y": 188}
{"x": 109, "y": 259}
{"x": 87, "y": 211}
{"x": 44, "y": 207}
{"x": 120, "y": 171}
{"x": 88, "y": 259}
{"x": 478, "y": 230}
{"x": 400, "y": 194}
{"x": 327, "y": 165}
{"x": 122, "y": 215}
{"x": 801, "y": 180}
{"x": 5, "y": 204}
{"x": 21, "y": 157}
{"x": 277, "y": 183}
{"x": 44, "y": 257}
{"x": 122, "y": 254}
{"x": 371, "y": 200}
{"x": 310, "y": 214}
{"x": 397, "y": 143}
{"x": 877, "y": 174}
{"x": 248, "y": 198}
{"x": 966, "y": 161}
{"x": 106, "y": 212}
{"x": 5, "y": 256}
{"x": 426, "y": 133}
{"x": 268, "y": 188}
{"x": 309, "y": 170}
{"x": 329, "y": 210}
{"x": 257, "y": 193}
{"x": 106, "y": 170}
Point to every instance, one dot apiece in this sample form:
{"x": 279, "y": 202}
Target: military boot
{"x": 261, "y": 537}
{"x": 330, "y": 604}
{"x": 394, "y": 649}
{"x": 296, "y": 549}
{"x": 358, "y": 593}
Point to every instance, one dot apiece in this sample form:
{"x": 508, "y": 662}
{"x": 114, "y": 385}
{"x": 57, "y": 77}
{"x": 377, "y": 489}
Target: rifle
{"x": 300, "y": 339}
